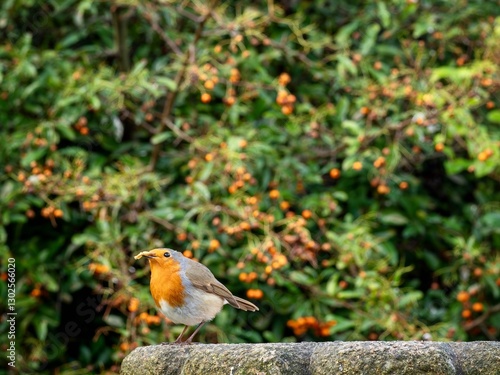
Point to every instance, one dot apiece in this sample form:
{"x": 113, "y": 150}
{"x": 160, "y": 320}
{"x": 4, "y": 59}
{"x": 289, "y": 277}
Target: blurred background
{"x": 335, "y": 162}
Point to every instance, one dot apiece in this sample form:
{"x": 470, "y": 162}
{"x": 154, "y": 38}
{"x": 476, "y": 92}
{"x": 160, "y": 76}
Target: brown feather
{"x": 246, "y": 305}
{"x": 202, "y": 278}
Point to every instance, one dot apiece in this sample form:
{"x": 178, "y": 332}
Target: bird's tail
{"x": 245, "y": 305}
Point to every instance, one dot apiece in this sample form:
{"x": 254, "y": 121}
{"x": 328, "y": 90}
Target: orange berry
{"x": 133, "y": 304}
{"x": 490, "y": 105}
{"x": 478, "y": 272}
{"x": 357, "y": 166}
{"x": 243, "y": 143}
{"x": 364, "y": 110}
{"x": 181, "y": 236}
{"x": 377, "y": 65}
{"x": 324, "y": 331}
{"x": 36, "y": 293}
{"x": 230, "y": 100}
{"x": 252, "y": 200}
{"x": 209, "y": 157}
{"x": 258, "y": 294}
{"x": 482, "y": 156}
{"x": 334, "y": 173}
{"x": 439, "y": 147}
{"x": 383, "y": 189}
{"x": 403, "y": 185}
{"x": 58, "y": 212}
{"x": 486, "y": 82}
{"x": 310, "y": 321}
{"x": 214, "y": 244}
{"x": 306, "y": 214}
{"x": 245, "y": 226}
{"x": 188, "y": 253}
{"x": 326, "y": 247}
{"x": 209, "y": 84}
{"x": 243, "y": 277}
{"x": 274, "y": 194}
{"x": 206, "y": 97}
{"x": 477, "y": 307}
{"x": 379, "y": 162}
{"x": 284, "y": 205}
{"x": 287, "y": 109}
{"x": 284, "y": 79}
{"x": 463, "y": 296}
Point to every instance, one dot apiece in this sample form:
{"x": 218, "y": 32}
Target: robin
{"x": 186, "y": 291}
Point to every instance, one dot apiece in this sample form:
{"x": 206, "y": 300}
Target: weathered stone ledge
{"x": 380, "y": 358}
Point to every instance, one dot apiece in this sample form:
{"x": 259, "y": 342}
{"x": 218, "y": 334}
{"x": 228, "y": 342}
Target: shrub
{"x": 335, "y": 163}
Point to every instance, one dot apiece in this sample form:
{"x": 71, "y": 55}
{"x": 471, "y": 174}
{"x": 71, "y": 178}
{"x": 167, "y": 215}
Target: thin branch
{"x": 120, "y": 26}
{"x": 179, "y": 79}
{"x": 169, "y": 42}
{"x": 178, "y": 131}
{"x": 480, "y": 320}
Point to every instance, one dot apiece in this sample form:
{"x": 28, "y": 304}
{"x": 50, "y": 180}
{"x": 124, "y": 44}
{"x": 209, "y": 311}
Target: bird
{"x": 186, "y": 291}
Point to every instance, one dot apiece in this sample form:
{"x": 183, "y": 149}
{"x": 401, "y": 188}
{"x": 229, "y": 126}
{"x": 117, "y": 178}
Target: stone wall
{"x": 348, "y": 358}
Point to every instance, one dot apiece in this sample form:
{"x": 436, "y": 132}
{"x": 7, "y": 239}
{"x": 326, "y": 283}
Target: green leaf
{"x": 202, "y": 190}
{"x": 114, "y": 321}
{"x": 384, "y": 14}
{"x": 494, "y": 116}
{"x": 301, "y": 278}
{"x": 351, "y": 294}
{"x": 393, "y": 218}
{"x": 41, "y": 327}
{"x": 34, "y": 155}
{"x": 369, "y": 39}
{"x": 410, "y": 298}
{"x": 167, "y": 82}
{"x": 66, "y": 131}
{"x": 160, "y": 138}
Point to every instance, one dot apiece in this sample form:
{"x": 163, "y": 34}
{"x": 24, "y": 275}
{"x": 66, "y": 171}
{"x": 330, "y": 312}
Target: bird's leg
{"x": 188, "y": 341}
{"x": 179, "y": 339}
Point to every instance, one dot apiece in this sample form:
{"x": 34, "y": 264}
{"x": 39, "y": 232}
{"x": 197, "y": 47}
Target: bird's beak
{"x": 145, "y": 254}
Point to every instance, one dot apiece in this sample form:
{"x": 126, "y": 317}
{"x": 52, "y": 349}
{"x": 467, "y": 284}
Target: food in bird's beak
{"x": 143, "y": 254}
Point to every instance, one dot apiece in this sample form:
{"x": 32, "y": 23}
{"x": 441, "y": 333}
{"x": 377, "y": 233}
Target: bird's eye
{"x": 166, "y": 255}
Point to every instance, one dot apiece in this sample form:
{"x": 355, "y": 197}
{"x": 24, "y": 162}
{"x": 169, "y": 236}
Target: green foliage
{"x": 336, "y": 163}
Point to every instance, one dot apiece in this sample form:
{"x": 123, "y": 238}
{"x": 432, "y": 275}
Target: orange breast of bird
{"x": 166, "y": 284}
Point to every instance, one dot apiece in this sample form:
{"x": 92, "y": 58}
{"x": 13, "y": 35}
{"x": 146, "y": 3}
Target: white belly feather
{"x": 198, "y": 306}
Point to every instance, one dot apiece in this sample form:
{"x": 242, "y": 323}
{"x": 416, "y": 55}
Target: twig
{"x": 169, "y": 42}
{"x": 169, "y": 101}
{"x": 479, "y": 320}
{"x": 178, "y": 131}
{"x": 120, "y": 25}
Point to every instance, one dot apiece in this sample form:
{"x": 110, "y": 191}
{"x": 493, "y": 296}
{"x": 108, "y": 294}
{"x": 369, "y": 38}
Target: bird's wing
{"x": 203, "y": 279}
